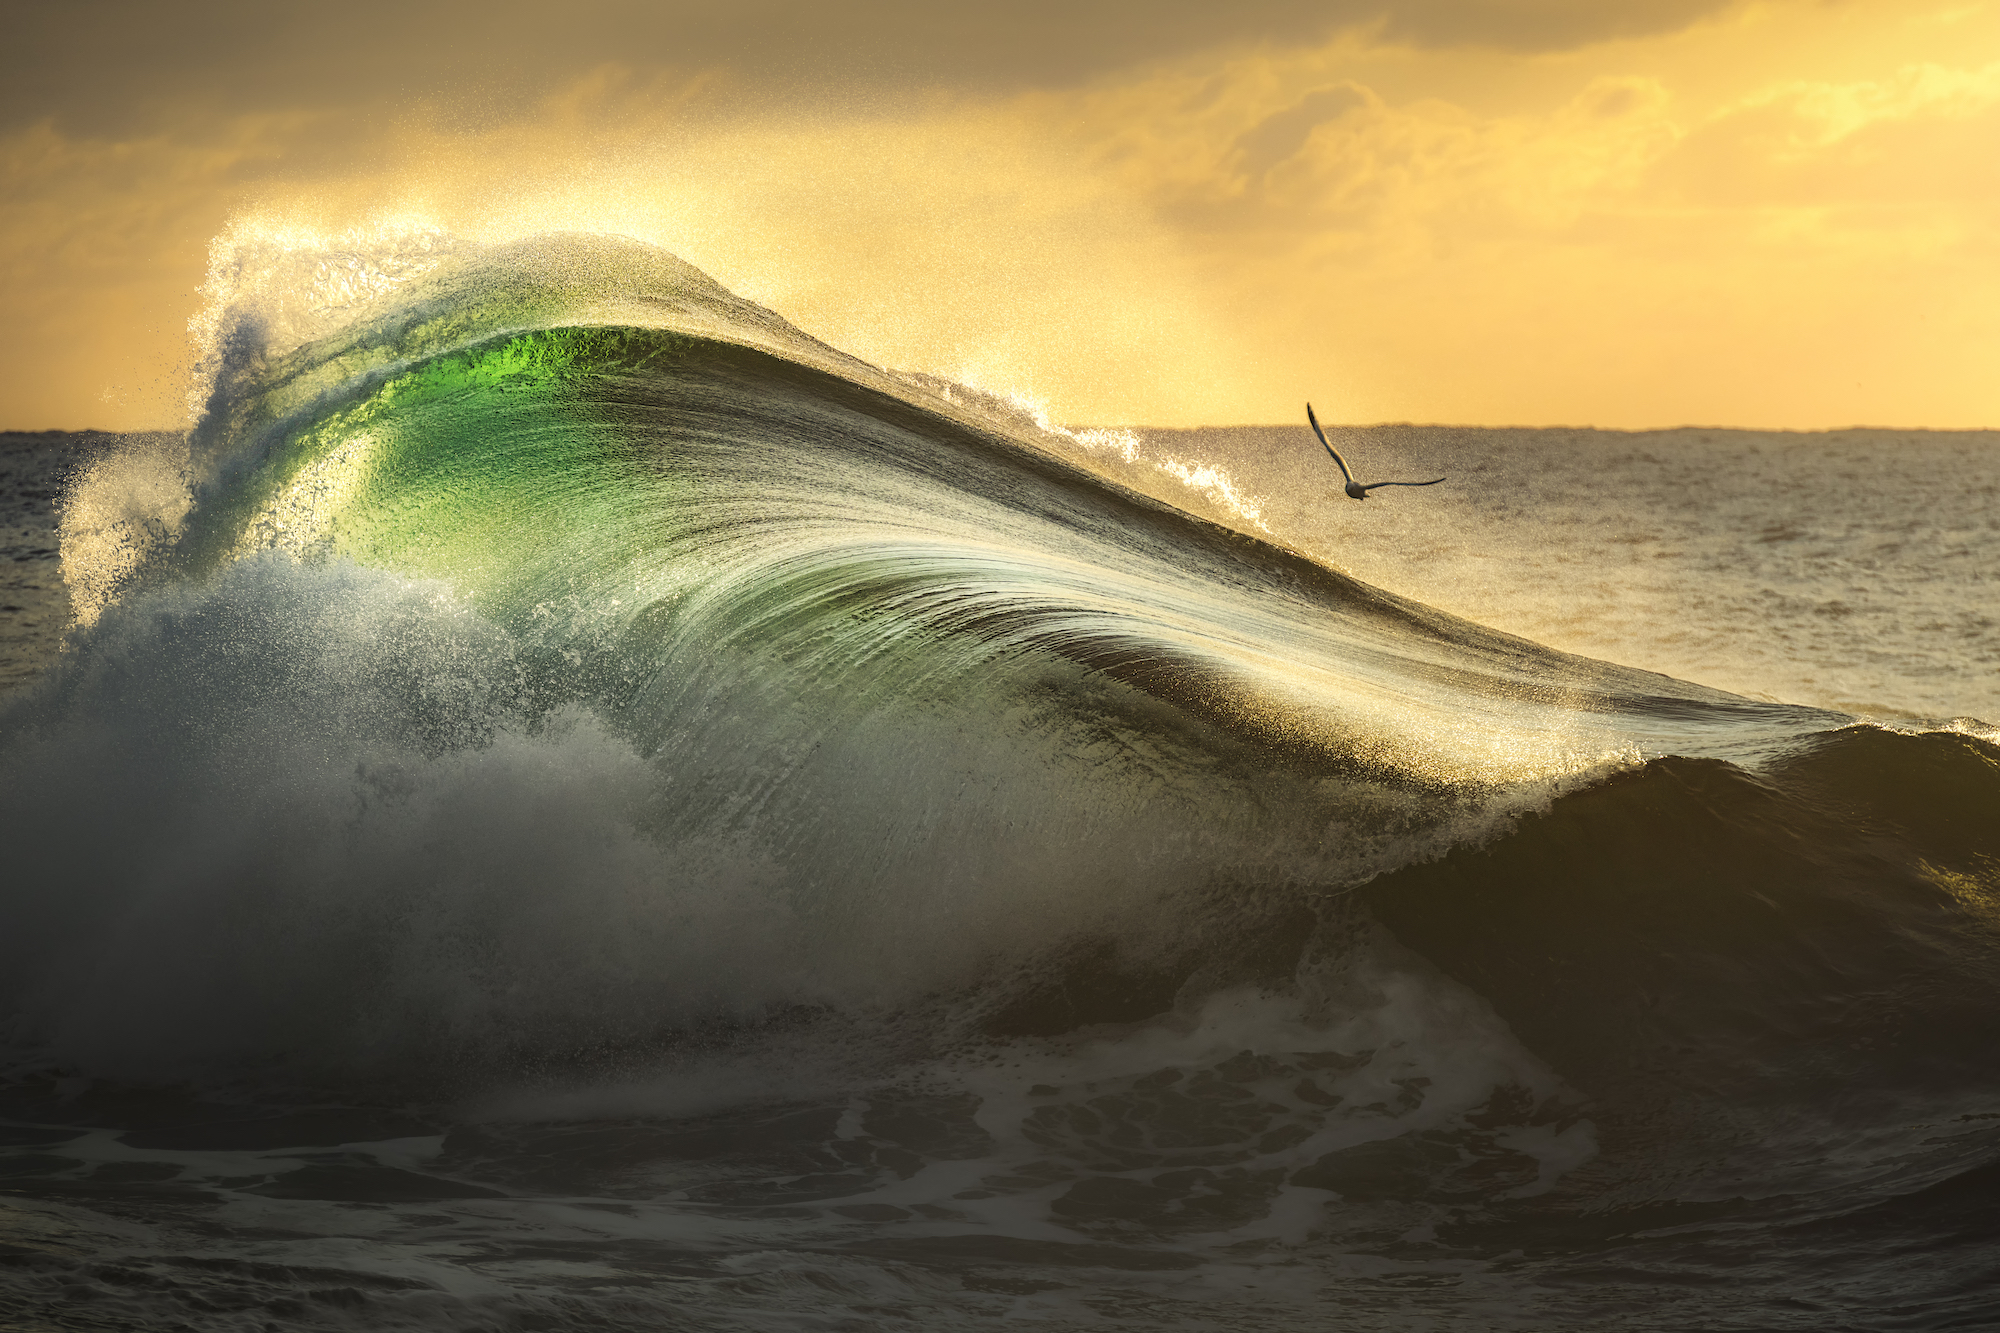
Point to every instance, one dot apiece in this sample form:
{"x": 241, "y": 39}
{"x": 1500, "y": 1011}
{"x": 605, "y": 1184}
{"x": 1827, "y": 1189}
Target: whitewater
{"x": 564, "y": 801}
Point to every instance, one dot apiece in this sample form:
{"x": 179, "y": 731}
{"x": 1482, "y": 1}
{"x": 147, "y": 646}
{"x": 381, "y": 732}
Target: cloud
{"x": 104, "y": 67}
{"x": 1276, "y": 138}
{"x": 1536, "y": 25}
{"x": 1920, "y": 134}
{"x": 1739, "y": 221}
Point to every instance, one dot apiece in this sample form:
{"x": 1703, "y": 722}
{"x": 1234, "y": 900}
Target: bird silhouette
{"x": 1355, "y": 490}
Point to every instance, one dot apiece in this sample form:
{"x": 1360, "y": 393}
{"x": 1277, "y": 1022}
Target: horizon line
{"x": 1284, "y": 425}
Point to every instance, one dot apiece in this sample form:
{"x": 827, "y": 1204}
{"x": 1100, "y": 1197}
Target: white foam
{"x": 117, "y": 514}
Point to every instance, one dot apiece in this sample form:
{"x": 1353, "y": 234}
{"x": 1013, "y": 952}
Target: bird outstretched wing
{"x": 1329, "y": 447}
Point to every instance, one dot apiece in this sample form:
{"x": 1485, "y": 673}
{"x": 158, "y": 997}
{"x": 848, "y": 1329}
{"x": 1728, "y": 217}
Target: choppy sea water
{"x": 34, "y": 471}
{"x": 1853, "y": 569}
{"x": 569, "y": 804}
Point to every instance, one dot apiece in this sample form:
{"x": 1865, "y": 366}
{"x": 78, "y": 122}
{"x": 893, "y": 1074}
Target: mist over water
{"x": 567, "y": 802}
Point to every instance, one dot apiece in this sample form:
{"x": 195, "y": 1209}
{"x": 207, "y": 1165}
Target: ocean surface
{"x": 566, "y": 803}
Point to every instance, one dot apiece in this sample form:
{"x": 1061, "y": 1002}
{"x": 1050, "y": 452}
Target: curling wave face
{"x": 876, "y": 669}
{"x": 557, "y": 682}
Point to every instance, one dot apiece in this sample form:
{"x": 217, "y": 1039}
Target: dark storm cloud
{"x": 112, "y": 66}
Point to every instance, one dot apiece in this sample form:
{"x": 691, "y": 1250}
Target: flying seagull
{"x": 1355, "y": 490}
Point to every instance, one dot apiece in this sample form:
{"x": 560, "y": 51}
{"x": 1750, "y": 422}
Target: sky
{"x": 1621, "y": 213}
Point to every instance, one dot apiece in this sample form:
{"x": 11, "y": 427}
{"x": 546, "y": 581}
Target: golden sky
{"x": 1781, "y": 213}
